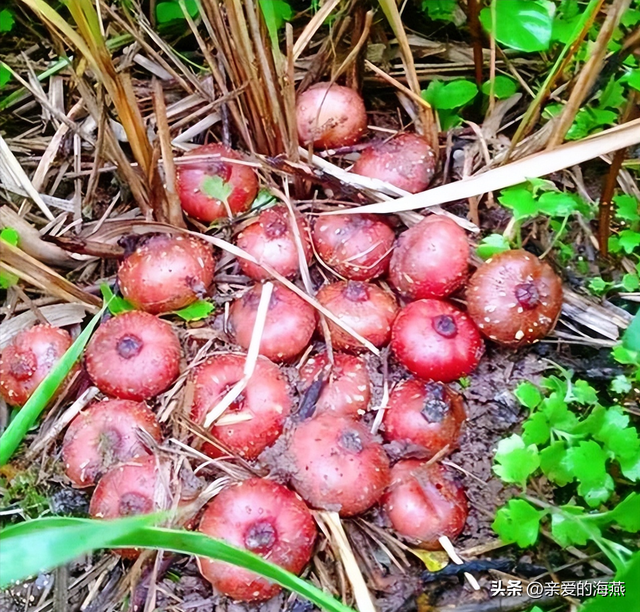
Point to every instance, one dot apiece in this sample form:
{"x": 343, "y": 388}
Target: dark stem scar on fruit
{"x": 435, "y": 406}
{"x": 356, "y": 291}
{"x": 275, "y": 228}
{"x": 132, "y": 504}
{"x": 129, "y": 346}
{"x": 445, "y": 325}
{"x": 527, "y": 295}
{"x": 261, "y": 537}
{"x": 24, "y": 366}
{"x": 351, "y": 441}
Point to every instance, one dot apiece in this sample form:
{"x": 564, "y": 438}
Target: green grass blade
{"x": 29, "y": 413}
{"x": 42, "y": 544}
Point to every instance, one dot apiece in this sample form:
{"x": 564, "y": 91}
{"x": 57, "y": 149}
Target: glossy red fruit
{"x": 204, "y": 184}
{"x": 271, "y": 241}
{"x": 265, "y": 518}
{"x": 137, "y": 487}
{"x": 330, "y": 116}
{"x": 406, "y": 161}
{"x": 424, "y": 503}
{"x": 28, "y": 359}
{"x": 430, "y": 259}
{"x": 133, "y": 355}
{"x": 345, "y": 387}
{"x": 266, "y": 402}
{"x": 425, "y": 415}
{"x": 289, "y": 325}
{"x": 105, "y": 434}
{"x": 436, "y": 341}
{"x": 166, "y": 272}
{"x": 336, "y": 464}
{"x": 366, "y": 308}
{"x": 515, "y": 298}
{"x": 357, "y": 247}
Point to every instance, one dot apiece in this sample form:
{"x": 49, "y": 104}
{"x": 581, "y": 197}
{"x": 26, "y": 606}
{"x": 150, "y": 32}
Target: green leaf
{"x": 503, "y": 87}
{"x": 7, "y": 279}
{"x": 520, "y": 200}
{"x": 587, "y": 462}
{"x": 627, "y": 513}
{"x": 558, "y": 203}
{"x": 621, "y": 384}
{"x": 515, "y": 460}
{"x": 115, "y": 303}
{"x": 5, "y": 75}
{"x": 627, "y": 575}
{"x": 627, "y": 207}
{"x": 196, "y": 311}
{"x": 27, "y": 416}
{"x": 629, "y": 240}
{"x": 215, "y": 187}
{"x": 633, "y": 79}
{"x": 524, "y": 25}
{"x": 275, "y": 13}
{"x": 599, "y": 286}
{"x": 491, "y": 245}
{"x": 558, "y": 414}
{"x": 8, "y": 234}
{"x": 42, "y": 544}
{"x": 518, "y": 522}
{"x": 170, "y": 11}
{"x": 536, "y": 430}
{"x": 440, "y": 10}
{"x": 568, "y": 528}
{"x": 631, "y": 336}
{"x": 612, "y": 95}
{"x": 447, "y": 96}
{"x": 630, "y": 467}
{"x": 6, "y": 20}
{"x": 630, "y": 282}
{"x": 624, "y": 355}
{"x": 583, "y": 393}
{"x": 552, "y": 463}
{"x": 528, "y": 395}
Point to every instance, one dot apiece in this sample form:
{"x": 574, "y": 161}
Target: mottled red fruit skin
{"x": 430, "y": 260}
{"x": 265, "y": 518}
{"x": 366, "y": 308}
{"x": 436, "y": 341}
{"x": 515, "y": 298}
{"x": 270, "y": 240}
{"x": 425, "y": 415}
{"x": 357, "y": 247}
{"x": 28, "y": 359}
{"x": 129, "y": 489}
{"x": 346, "y": 390}
{"x": 134, "y": 355}
{"x": 266, "y": 399}
{"x": 330, "y": 116}
{"x": 240, "y": 178}
{"x": 406, "y": 161}
{"x": 166, "y": 273}
{"x": 103, "y": 435}
{"x": 289, "y": 325}
{"x": 337, "y": 464}
{"x": 424, "y": 502}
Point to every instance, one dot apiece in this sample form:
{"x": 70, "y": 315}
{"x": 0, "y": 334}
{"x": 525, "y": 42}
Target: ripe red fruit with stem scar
{"x": 166, "y": 272}
{"x": 346, "y": 388}
{"x": 28, "y": 359}
{"x": 137, "y": 487}
{"x": 514, "y": 298}
{"x": 213, "y": 188}
{"x": 424, "y": 414}
{"x": 430, "y": 259}
{"x": 366, "y": 308}
{"x": 330, "y": 116}
{"x": 265, "y": 518}
{"x": 436, "y": 341}
{"x": 134, "y": 355}
{"x": 270, "y": 240}
{"x": 103, "y": 435}
{"x": 424, "y": 503}
{"x": 406, "y": 161}
{"x": 289, "y": 325}
{"x": 357, "y": 247}
{"x": 265, "y": 402}
{"x": 337, "y": 464}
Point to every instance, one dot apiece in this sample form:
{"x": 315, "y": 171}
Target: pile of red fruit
{"x": 334, "y": 460}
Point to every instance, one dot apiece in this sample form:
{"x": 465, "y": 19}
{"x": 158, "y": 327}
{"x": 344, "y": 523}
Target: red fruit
{"x": 346, "y": 389}
{"x": 330, "y": 116}
{"x": 367, "y": 309}
{"x": 137, "y": 487}
{"x": 266, "y": 400}
{"x": 515, "y": 298}
{"x": 357, "y": 247}
{"x": 204, "y": 184}
{"x": 166, "y": 272}
{"x": 424, "y": 502}
{"x": 103, "y": 435}
{"x": 337, "y": 464}
{"x": 134, "y": 355}
{"x": 289, "y": 325}
{"x": 424, "y": 414}
{"x": 430, "y": 259}
{"x": 265, "y": 518}
{"x": 436, "y": 341}
{"x": 271, "y": 241}
{"x": 406, "y": 161}
{"x": 28, "y": 359}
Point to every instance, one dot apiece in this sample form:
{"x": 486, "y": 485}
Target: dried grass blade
{"x": 312, "y": 27}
